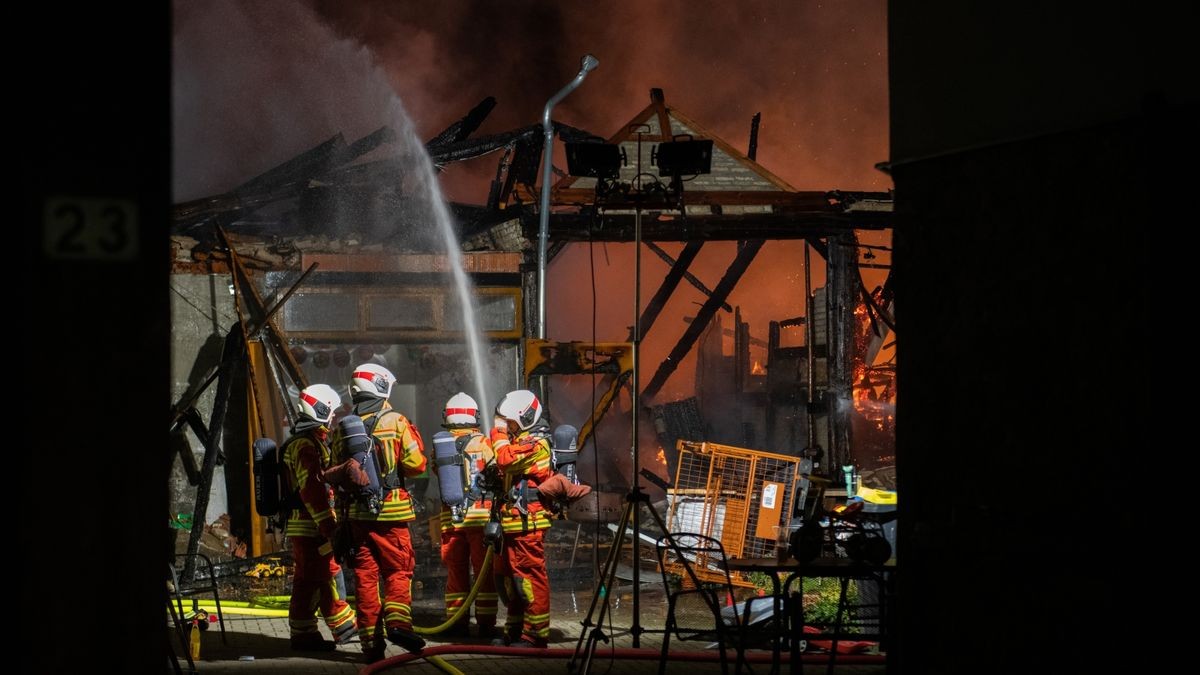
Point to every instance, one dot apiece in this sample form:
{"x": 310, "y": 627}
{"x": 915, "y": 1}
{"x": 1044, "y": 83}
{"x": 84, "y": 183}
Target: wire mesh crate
{"x": 743, "y": 498}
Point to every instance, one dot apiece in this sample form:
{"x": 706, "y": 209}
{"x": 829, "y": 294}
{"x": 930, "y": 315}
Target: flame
{"x": 871, "y": 387}
{"x": 757, "y": 369}
{"x": 661, "y": 456}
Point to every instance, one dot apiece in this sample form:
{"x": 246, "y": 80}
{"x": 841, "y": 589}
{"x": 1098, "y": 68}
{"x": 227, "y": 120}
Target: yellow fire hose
{"x": 238, "y": 607}
{"x": 446, "y": 667}
{"x": 483, "y": 572}
{"x": 261, "y": 606}
{"x": 434, "y": 630}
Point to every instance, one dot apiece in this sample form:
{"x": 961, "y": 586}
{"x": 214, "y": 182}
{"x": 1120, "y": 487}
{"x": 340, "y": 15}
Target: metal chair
{"x": 200, "y": 584}
{"x": 698, "y": 588}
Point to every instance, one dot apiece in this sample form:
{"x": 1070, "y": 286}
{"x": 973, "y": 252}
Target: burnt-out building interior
{"x": 998, "y": 125}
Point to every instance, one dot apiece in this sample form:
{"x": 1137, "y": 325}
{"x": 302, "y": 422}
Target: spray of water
{"x": 308, "y": 84}
{"x": 424, "y": 182}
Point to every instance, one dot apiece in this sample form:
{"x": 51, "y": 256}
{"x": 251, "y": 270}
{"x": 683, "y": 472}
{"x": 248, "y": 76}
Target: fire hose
{"x": 619, "y": 653}
{"x": 437, "y": 661}
{"x": 466, "y": 604}
{"x": 276, "y": 605}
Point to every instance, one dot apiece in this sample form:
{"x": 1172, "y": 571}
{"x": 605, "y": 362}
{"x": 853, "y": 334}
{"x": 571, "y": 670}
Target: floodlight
{"x": 594, "y": 160}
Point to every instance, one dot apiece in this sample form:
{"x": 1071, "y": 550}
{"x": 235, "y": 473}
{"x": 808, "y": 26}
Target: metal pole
{"x": 588, "y": 63}
{"x": 635, "y": 398}
{"x": 809, "y": 353}
{"x": 634, "y": 485}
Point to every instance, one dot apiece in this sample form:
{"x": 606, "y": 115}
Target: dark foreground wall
{"x": 1021, "y": 152}
{"x": 86, "y": 486}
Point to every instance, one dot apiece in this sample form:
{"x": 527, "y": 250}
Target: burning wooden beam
{"x": 727, "y": 332}
{"x": 464, "y": 127}
{"x": 619, "y": 227}
{"x": 668, "y": 285}
{"x": 306, "y": 164}
{"x": 691, "y": 278}
{"x": 745, "y": 256}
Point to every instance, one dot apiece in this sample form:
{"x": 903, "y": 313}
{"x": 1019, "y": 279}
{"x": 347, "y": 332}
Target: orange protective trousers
{"x": 384, "y": 554}
{"x": 524, "y": 586}
{"x": 463, "y": 550}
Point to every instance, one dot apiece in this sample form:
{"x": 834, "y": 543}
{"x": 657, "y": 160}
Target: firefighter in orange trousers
{"x": 520, "y": 439}
{"x": 311, "y": 525}
{"x": 383, "y": 551}
{"x": 463, "y": 549}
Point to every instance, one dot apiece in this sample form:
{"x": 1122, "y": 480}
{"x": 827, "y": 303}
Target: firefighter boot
{"x": 344, "y": 634}
{"x": 405, "y": 639}
{"x": 373, "y": 651}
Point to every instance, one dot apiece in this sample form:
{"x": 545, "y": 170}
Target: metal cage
{"x": 743, "y": 498}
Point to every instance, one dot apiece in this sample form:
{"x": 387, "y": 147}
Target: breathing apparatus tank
{"x": 358, "y": 445}
{"x": 453, "y": 472}
{"x": 564, "y": 451}
{"x": 268, "y": 481}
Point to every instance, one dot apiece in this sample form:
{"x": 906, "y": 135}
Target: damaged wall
{"x": 202, "y": 312}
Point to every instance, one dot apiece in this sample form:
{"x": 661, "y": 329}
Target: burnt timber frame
{"x": 255, "y": 320}
{"x": 829, "y": 230}
{"x": 826, "y": 219}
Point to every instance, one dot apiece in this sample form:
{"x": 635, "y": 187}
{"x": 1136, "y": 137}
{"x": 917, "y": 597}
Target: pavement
{"x": 259, "y": 644}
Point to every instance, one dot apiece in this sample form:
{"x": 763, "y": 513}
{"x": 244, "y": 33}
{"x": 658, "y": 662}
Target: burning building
{"x": 347, "y": 254}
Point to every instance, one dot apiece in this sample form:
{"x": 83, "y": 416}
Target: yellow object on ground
{"x": 194, "y": 641}
{"x": 874, "y": 496}
{"x": 244, "y": 608}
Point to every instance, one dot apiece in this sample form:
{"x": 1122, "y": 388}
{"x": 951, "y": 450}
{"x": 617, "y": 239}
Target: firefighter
{"x": 463, "y": 548}
{"x": 520, "y": 439}
{"x": 311, "y": 526}
{"x": 383, "y": 552}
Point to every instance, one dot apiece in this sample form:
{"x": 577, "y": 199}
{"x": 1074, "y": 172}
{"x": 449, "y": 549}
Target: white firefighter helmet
{"x": 372, "y": 379}
{"x": 521, "y": 407}
{"x": 318, "y": 401}
{"x": 460, "y": 411}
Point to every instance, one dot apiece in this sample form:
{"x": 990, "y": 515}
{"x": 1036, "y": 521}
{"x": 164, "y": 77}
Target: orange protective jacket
{"x": 526, "y": 457}
{"x": 403, "y": 450}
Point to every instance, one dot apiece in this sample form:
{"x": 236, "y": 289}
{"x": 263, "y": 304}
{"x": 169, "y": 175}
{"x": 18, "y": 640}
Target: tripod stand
{"x": 593, "y": 632}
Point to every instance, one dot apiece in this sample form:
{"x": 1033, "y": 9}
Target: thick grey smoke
{"x": 256, "y": 84}
{"x": 816, "y": 70}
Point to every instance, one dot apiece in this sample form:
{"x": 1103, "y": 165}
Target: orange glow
{"x": 661, "y": 457}
{"x": 757, "y": 369}
{"x": 872, "y": 385}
